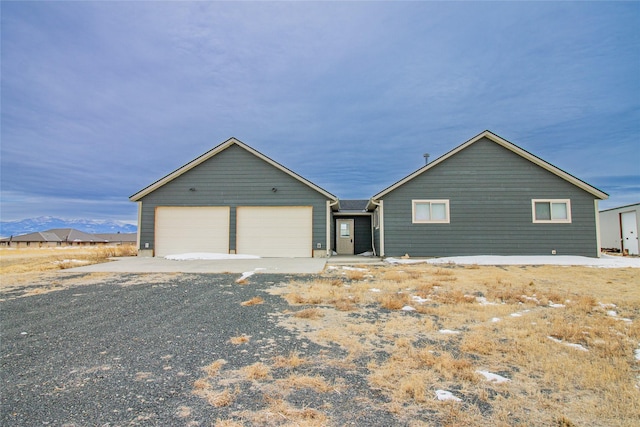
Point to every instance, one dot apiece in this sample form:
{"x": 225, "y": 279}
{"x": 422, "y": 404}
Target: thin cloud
{"x": 100, "y": 99}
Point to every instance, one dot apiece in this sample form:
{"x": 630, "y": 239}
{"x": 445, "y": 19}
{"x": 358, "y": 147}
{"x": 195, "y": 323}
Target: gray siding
{"x": 489, "y": 189}
{"x": 234, "y": 177}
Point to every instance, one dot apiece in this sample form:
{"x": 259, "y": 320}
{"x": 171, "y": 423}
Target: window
{"x": 344, "y": 230}
{"x": 552, "y": 210}
{"x": 430, "y": 211}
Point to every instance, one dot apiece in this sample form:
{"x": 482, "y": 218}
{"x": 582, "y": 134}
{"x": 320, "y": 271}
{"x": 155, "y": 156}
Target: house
{"x": 118, "y": 239}
{"x": 619, "y": 229}
{"x": 487, "y": 196}
{"x": 66, "y": 237}
{"x": 234, "y": 199}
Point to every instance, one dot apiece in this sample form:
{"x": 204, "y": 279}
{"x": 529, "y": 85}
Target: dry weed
{"x": 394, "y": 301}
{"x": 213, "y": 368}
{"x": 240, "y": 339}
{"x": 309, "y": 313}
{"x": 316, "y": 383}
{"x": 227, "y": 423}
{"x": 355, "y": 274}
{"x": 293, "y": 360}
{"x": 257, "y": 371}
{"x": 218, "y": 398}
{"x": 252, "y": 301}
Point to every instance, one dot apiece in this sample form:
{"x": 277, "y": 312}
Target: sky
{"x": 100, "y": 99}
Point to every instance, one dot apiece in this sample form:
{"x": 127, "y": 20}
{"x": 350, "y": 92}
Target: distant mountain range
{"x": 43, "y": 223}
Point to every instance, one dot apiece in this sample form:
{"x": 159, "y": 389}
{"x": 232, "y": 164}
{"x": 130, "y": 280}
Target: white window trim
{"x": 431, "y": 221}
{"x": 551, "y": 221}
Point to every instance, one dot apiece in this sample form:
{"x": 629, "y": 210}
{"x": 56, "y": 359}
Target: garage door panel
{"x": 275, "y": 231}
{"x": 192, "y": 229}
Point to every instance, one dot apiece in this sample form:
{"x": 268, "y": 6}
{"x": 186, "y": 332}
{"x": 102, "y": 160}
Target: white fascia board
{"x": 508, "y": 145}
{"x": 209, "y": 154}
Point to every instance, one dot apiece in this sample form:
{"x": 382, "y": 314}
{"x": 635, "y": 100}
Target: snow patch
{"x": 446, "y": 395}
{"x": 552, "y": 305}
{"x": 605, "y": 261}
{"x": 207, "y": 256}
{"x": 483, "y": 301}
{"x": 354, "y": 269}
{"x": 568, "y": 344}
{"x": 493, "y": 377}
{"x": 71, "y": 261}
{"x": 448, "y": 332}
{"x": 408, "y": 308}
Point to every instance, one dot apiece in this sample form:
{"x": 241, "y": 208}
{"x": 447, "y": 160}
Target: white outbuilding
{"x": 619, "y": 229}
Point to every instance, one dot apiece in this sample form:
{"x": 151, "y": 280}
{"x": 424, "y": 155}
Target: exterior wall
{"x": 19, "y": 244}
{"x": 233, "y": 177}
{"x": 610, "y": 237}
{"x": 489, "y": 189}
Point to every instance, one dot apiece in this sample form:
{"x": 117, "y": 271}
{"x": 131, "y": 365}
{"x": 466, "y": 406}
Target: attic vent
{"x": 426, "y": 158}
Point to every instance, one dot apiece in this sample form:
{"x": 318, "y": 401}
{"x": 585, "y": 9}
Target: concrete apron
{"x": 161, "y": 265}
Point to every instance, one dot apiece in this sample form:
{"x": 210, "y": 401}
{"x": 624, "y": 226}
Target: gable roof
{"x": 38, "y": 236}
{"x": 509, "y": 146}
{"x": 209, "y": 154}
{"x": 353, "y": 205}
{"x": 633, "y": 205}
{"x": 73, "y": 235}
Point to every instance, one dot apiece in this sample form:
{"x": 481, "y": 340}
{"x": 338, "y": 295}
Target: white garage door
{"x": 192, "y": 229}
{"x": 275, "y": 231}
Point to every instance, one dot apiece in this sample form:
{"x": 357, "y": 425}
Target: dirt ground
{"x": 358, "y": 345}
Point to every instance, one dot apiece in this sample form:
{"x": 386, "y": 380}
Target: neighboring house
{"x": 117, "y": 239}
{"x": 66, "y": 237}
{"x": 486, "y": 196}
{"x": 619, "y": 229}
{"x": 234, "y": 199}
{"x": 37, "y": 240}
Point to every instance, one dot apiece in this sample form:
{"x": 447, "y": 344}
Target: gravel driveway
{"x": 127, "y": 350}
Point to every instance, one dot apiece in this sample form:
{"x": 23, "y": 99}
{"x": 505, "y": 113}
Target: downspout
{"x": 598, "y": 242}
{"x": 380, "y": 205}
{"x": 373, "y": 237}
{"x": 328, "y": 240}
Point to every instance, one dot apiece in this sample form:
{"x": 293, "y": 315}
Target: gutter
{"x": 328, "y": 239}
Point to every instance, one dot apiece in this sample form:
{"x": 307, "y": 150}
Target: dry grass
{"x": 547, "y": 329}
{"x": 252, "y": 301}
{"x": 293, "y": 360}
{"x": 316, "y": 383}
{"x": 30, "y": 260}
{"x": 309, "y": 313}
{"x": 212, "y": 369}
{"x": 242, "y": 339}
{"x": 218, "y": 398}
{"x": 227, "y": 423}
{"x": 257, "y": 371}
